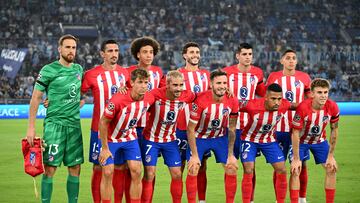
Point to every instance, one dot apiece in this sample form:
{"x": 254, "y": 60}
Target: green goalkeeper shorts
{"x": 63, "y": 144}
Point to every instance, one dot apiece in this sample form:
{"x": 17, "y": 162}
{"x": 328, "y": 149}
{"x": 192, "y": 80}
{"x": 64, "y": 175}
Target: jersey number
{"x": 245, "y": 147}
{"x": 53, "y": 149}
{"x": 182, "y": 144}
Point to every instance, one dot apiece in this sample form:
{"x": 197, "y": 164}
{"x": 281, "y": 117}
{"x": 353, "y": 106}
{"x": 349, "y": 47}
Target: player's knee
{"x": 281, "y": 170}
{"x": 107, "y": 173}
{"x": 149, "y": 174}
{"x": 248, "y": 170}
{"x": 230, "y": 171}
{"x": 136, "y": 173}
{"x": 176, "y": 174}
{"x": 74, "y": 170}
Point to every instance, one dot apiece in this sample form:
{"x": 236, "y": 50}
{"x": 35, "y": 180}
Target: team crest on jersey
{"x": 202, "y": 77}
{"x": 196, "y": 88}
{"x": 149, "y": 86}
{"x": 78, "y": 76}
{"x": 148, "y": 158}
{"x": 32, "y": 158}
{"x": 325, "y": 119}
{"x": 155, "y": 76}
{"x": 114, "y": 89}
{"x": 297, "y": 84}
{"x": 225, "y": 111}
{"x": 252, "y": 79}
{"x": 120, "y": 78}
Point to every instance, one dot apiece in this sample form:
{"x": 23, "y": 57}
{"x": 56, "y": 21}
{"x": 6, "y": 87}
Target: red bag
{"x": 33, "y": 162}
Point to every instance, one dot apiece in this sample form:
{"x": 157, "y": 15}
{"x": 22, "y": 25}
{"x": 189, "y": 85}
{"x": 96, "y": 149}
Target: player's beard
{"x": 68, "y": 58}
{"x": 220, "y": 92}
{"x": 190, "y": 61}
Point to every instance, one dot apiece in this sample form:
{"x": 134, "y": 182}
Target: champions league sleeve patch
{"x": 111, "y": 106}
{"x": 194, "y": 107}
{"x": 297, "y": 118}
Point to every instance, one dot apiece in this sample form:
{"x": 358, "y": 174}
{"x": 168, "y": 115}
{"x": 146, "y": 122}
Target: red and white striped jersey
{"x": 156, "y": 75}
{"x": 312, "y": 123}
{"x": 212, "y": 118}
{"x": 163, "y": 118}
{"x": 103, "y": 84}
{"x": 124, "y": 113}
{"x": 195, "y": 81}
{"x": 294, "y": 89}
{"x": 245, "y": 86}
{"x": 261, "y": 125}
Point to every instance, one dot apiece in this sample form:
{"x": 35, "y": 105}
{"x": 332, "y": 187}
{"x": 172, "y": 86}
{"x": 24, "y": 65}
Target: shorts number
{"x": 148, "y": 148}
{"x": 183, "y": 145}
{"x": 95, "y": 147}
{"x": 53, "y": 149}
{"x": 245, "y": 148}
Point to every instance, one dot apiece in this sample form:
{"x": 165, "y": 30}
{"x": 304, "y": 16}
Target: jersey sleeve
{"x": 86, "y": 83}
{"x": 111, "y": 108}
{"x": 260, "y": 88}
{"x": 307, "y": 84}
{"x": 44, "y": 78}
{"x": 298, "y": 120}
{"x": 207, "y": 73}
{"x": 190, "y": 96}
{"x": 335, "y": 113}
{"x": 235, "y": 108}
{"x": 196, "y": 111}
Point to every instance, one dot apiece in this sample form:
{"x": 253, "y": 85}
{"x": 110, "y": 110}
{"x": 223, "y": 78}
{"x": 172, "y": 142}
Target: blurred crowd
{"x": 316, "y": 29}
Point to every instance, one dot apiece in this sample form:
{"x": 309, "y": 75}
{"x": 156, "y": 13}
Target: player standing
{"x": 196, "y": 80}
{"x": 245, "y": 81}
{"x": 309, "y": 123}
{"x": 296, "y": 86}
{"x": 213, "y": 115}
{"x": 61, "y": 81}
{"x": 159, "y": 135}
{"x": 104, "y": 81}
{"x": 118, "y": 135}
{"x": 258, "y": 134}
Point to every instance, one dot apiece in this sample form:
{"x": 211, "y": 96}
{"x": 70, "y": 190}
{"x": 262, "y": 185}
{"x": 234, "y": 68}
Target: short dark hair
{"x": 106, "y": 42}
{"x": 141, "y": 42}
{"x": 319, "y": 82}
{"x": 216, "y": 73}
{"x": 140, "y": 73}
{"x": 67, "y": 36}
{"x": 189, "y": 44}
{"x": 243, "y": 46}
{"x": 274, "y": 88}
{"x": 288, "y": 51}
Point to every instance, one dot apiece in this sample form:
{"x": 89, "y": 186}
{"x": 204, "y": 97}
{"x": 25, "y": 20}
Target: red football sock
{"x": 191, "y": 188}
{"x": 274, "y": 182}
{"x": 294, "y": 196}
{"x": 95, "y": 185}
{"x": 201, "y": 184}
{"x": 118, "y": 184}
{"x": 147, "y": 190}
{"x": 127, "y": 184}
{"x": 230, "y": 187}
{"x": 330, "y": 195}
{"x": 106, "y": 201}
{"x": 176, "y": 189}
{"x": 303, "y": 182}
{"x": 152, "y": 194}
{"x": 135, "y": 201}
{"x": 253, "y": 187}
{"x": 246, "y": 187}
{"x": 281, "y": 187}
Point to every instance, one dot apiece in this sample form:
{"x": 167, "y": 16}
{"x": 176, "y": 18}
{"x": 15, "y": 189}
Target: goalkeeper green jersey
{"x": 62, "y": 86}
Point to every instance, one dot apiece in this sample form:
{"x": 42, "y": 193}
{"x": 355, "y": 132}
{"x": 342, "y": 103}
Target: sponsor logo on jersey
{"x": 196, "y": 88}
{"x": 114, "y": 89}
{"x": 215, "y": 123}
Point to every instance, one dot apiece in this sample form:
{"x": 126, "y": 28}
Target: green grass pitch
{"x": 16, "y": 186}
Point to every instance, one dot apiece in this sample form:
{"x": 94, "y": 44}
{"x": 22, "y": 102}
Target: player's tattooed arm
{"x": 333, "y": 137}
{"x": 231, "y": 135}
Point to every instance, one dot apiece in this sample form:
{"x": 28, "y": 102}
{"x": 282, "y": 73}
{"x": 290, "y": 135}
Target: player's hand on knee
{"x": 295, "y": 167}
{"x": 232, "y": 163}
{"x": 194, "y": 165}
{"x": 331, "y": 164}
{"x": 104, "y": 155}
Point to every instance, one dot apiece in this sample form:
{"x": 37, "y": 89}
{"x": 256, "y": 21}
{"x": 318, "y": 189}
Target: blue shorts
{"x": 284, "y": 141}
{"x": 94, "y": 147}
{"x": 169, "y": 150}
{"x": 122, "y": 151}
{"x": 271, "y": 151}
{"x": 237, "y": 144}
{"x": 218, "y": 145}
{"x": 140, "y": 136}
{"x": 181, "y": 136}
{"x": 320, "y": 152}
